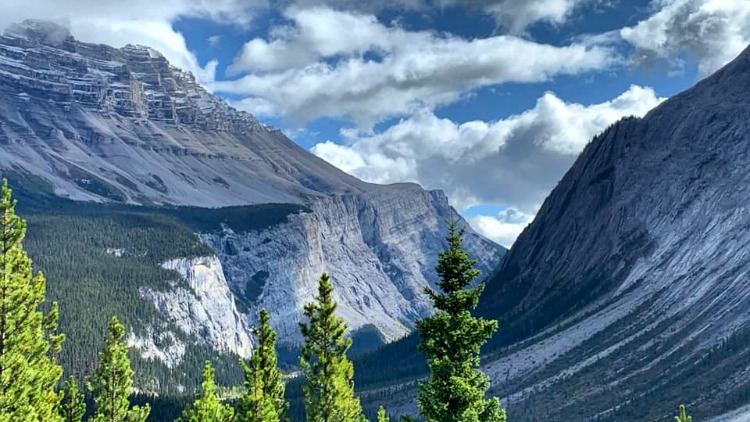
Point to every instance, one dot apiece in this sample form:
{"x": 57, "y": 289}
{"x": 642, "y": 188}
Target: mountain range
{"x": 627, "y": 295}
{"x": 104, "y": 135}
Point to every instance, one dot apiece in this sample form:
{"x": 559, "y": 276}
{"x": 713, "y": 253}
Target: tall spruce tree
{"x": 329, "y": 391}
{"x": 74, "y": 403}
{"x": 207, "y": 407}
{"x": 111, "y": 383}
{"x": 263, "y": 400}
{"x": 28, "y": 343}
{"x": 451, "y": 339}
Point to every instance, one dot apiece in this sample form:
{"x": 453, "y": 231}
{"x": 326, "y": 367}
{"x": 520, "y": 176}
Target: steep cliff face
{"x": 202, "y": 308}
{"x": 629, "y": 292}
{"x": 380, "y": 249}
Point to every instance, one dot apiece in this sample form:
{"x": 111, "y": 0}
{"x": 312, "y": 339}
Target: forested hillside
{"x": 97, "y": 257}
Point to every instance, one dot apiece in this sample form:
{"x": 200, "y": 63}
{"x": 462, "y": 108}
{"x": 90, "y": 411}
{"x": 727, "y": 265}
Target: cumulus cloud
{"x": 514, "y": 162}
{"x": 513, "y": 15}
{"x": 134, "y": 22}
{"x": 517, "y": 15}
{"x": 712, "y": 32}
{"x": 376, "y": 71}
{"x": 502, "y": 228}
{"x": 371, "y": 6}
{"x": 316, "y": 34}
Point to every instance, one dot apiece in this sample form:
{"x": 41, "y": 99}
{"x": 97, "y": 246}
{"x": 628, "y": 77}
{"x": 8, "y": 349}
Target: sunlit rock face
{"x": 380, "y": 248}
{"x": 201, "y": 306}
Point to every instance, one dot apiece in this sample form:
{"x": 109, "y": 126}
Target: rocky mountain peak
{"x": 68, "y": 106}
{"x": 44, "y": 32}
{"x": 95, "y": 123}
{"x": 43, "y": 60}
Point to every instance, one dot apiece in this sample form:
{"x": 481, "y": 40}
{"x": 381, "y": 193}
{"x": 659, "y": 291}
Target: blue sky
{"x": 489, "y": 100}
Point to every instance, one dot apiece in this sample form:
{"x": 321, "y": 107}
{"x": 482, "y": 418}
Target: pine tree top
{"x": 263, "y": 400}
{"x": 456, "y": 271}
{"x": 451, "y": 339}
{"x": 329, "y": 391}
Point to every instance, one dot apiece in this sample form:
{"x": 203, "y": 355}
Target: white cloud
{"x": 256, "y": 106}
{"x": 214, "y": 40}
{"x": 712, "y": 32}
{"x": 516, "y": 15}
{"x": 502, "y": 228}
{"x": 310, "y": 71}
{"x": 514, "y": 162}
{"x": 317, "y": 33}
{"x": 134, "y": 22}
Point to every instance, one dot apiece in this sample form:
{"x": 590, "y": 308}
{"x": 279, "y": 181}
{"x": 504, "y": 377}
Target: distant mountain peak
{"x": 43, "y": 31}
{"x": 142, "y": 129}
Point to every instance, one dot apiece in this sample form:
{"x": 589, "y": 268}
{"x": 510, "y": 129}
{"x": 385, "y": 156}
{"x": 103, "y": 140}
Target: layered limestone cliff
{"x": 380, "y": 249}
{"x": 102, "y": 123}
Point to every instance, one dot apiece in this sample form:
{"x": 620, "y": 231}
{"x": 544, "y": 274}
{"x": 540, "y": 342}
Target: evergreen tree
{"x": 74, "y": 403}
{"x": 382, "y": 417}
{"x": 28, "y": 369}
{"x": 207, "y": 406}
{"x": 683, "y": 415}
{"x": 329, "y": 391}
{"x": 110, "y": 384}
{"x": 451, "y": 339}
{"x": 263, "y": 400}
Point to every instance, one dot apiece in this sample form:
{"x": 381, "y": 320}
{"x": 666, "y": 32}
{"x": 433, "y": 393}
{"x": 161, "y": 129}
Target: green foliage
{"x": 451, "y": 339}
{"x": 95, "y": 255}
{"x": 382, "y": 417}
{"x": 244, "y": 218}
{"x": 28, "y": 369}
{"x": 80, "y": 256}
{"x": 390, "y": 364}
{"x": 329, "y": 392}
{"x": 683, "y": 415}
{"x": 207, "y": 407}
{"x": 263, "y": 400}
{"x": 365, "y": 339}
{"x": 110, "y": 384}
{"x": 74, "y": 403}
{"x": 107, "y": 253}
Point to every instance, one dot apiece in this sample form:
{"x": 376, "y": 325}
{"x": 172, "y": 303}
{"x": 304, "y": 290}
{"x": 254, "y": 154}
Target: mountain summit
{"x": 630, "y": 291}
{"x": 105, "y": 123}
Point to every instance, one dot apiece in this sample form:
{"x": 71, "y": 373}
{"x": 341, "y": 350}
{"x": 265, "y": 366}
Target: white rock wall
{"x": 205, "y": 309}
